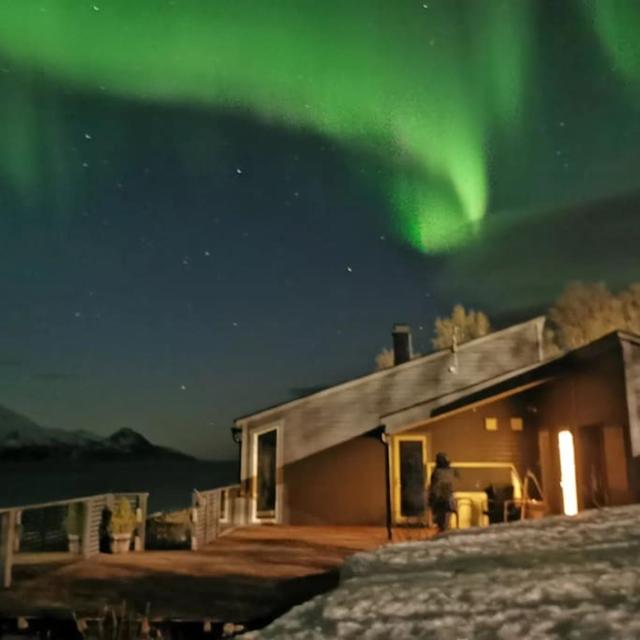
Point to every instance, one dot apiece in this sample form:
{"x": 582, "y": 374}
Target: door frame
{"x": 398, "y": 518}
{"x": 255, "y": 434}
{"x": 580, "y": 450}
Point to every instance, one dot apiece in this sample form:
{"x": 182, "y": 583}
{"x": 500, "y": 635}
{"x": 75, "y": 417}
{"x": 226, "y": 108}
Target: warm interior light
{"x": 568, "y": 473}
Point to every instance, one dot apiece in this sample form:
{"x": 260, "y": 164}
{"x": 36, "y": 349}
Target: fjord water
{"x": 169, "y": 483}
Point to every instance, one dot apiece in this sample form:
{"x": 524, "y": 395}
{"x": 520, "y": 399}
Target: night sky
{"x": 208, "y": 207}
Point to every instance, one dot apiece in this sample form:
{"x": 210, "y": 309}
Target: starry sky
{"x": 208, "y": 207}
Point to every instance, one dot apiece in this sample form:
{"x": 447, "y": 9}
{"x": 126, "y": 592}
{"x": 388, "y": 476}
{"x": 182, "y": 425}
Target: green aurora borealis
{"x": 205, "y": 204}
{"x": 618, "y": 24}
{"x": 424, "y": 87}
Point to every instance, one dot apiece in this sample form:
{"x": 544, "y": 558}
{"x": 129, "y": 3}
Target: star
{"x": 183, "y": 387}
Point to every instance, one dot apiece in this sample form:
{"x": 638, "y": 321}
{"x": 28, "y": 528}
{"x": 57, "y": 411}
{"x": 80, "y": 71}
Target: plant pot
{"x": 74, "y": 542}
{"x": 120, "y": 542}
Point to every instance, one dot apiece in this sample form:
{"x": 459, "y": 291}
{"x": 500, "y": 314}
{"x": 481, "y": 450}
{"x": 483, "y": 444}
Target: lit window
{"x": 517, "y": 424}
{"x": 568, "y": 473}
{"x": 491, "y": 424}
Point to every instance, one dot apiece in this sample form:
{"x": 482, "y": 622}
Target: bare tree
{"x": 630, "y": 307}
{"x": 587, "y": 311}
{"x": 385, "y": 359}
{"x": 461, "y": 326}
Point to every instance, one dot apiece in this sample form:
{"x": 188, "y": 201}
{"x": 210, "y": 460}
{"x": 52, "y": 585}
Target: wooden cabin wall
{"x": 590, "y": 395}
{"x": 345, "y": 412}
{"x": 631, "y": 358}
{"x": 343, "y": 485}
{"x": 464, "y": 438}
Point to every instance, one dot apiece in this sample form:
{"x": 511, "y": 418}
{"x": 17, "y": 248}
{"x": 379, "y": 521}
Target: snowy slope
{"x": 554, "y": 578}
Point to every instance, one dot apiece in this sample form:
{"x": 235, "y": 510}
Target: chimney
{"x": 402, "y": 350}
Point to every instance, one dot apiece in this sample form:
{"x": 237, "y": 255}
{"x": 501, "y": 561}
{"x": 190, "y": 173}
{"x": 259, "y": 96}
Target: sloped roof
{"x": 421, "y": 360}
{"x": 501, "y": 385}
{"x": 344, "y": 411}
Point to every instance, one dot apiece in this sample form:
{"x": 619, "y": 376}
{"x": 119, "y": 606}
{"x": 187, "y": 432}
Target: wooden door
{"x": 593, "y": 470}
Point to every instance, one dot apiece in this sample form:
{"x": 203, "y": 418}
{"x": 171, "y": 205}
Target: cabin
{"x": 522, "y": 430}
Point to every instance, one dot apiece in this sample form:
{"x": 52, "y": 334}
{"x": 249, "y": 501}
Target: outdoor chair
{"x": 501, "y": 507}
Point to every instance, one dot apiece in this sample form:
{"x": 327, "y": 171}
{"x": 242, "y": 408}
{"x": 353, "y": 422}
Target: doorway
{"x": 265, "y": 474}
{"x": 593, "y": 479}
{"x": 410, "y": 456}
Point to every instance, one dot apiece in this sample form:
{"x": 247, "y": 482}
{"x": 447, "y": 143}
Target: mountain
{"x": 22, "y": 439}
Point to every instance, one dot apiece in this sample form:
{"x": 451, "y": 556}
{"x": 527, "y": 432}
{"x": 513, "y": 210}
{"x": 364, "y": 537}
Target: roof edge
{"x": 487, "y": 384}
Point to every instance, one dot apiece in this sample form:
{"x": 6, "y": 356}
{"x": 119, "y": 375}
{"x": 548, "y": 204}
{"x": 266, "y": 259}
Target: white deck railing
{"x": 93, "y": 507}
{"x": 212, "y": 512}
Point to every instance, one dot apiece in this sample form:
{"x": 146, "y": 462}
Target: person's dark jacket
{"x": 441, "y": 489}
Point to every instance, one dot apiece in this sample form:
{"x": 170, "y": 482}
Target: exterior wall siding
{"x": 631, "y": 354}
{"x": 589, "y": 392}
{"x": 463, "y": 437}
{"x": 591, "y": 395}
{"x": 343, "y": 485}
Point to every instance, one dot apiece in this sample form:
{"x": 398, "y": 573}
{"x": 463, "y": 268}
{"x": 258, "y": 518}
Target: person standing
{"x": 441, "y": 501}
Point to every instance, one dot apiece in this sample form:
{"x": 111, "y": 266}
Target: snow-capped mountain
{"x": 23, "y": 439}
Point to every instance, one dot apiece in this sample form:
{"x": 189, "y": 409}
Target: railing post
{"x": 86, "y": 528}
{"x": 140, "y": 543}
{"x": 18, "y": 530}
{"x": 217, "y": 512}
{"x": 7, "y": 535}
{"x": 195, "y": 516}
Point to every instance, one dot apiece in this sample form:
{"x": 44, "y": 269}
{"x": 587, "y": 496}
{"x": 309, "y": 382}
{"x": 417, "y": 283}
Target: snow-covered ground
{"x": 554, "y": 578}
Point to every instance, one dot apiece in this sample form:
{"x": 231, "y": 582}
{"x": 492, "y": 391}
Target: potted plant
{"x": 121, "y": 526}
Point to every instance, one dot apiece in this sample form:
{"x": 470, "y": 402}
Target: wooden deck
{"x": 253, "y": 573}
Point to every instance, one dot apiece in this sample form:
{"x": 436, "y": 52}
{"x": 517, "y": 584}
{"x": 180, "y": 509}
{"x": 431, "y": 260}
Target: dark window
{"x": 266, "y": 498}
{"x": 412, "y": 485}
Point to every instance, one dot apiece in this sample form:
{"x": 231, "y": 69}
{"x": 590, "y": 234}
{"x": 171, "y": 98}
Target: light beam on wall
{"x": 568, "y": 473}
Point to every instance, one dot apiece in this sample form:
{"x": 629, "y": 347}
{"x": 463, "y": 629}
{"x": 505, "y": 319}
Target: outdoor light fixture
{"x": 568, "y": 473}
{"x": 236, "y": 434}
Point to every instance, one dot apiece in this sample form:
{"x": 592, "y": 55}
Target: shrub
{"x": 123, "y": 518}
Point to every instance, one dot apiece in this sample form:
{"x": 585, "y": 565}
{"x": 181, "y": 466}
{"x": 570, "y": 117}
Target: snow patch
{"x": 553, "y": 578}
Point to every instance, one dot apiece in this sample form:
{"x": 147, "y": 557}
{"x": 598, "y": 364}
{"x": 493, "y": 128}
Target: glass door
{"x": 410, "y": 456}
{"x": 266, "y": 445}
